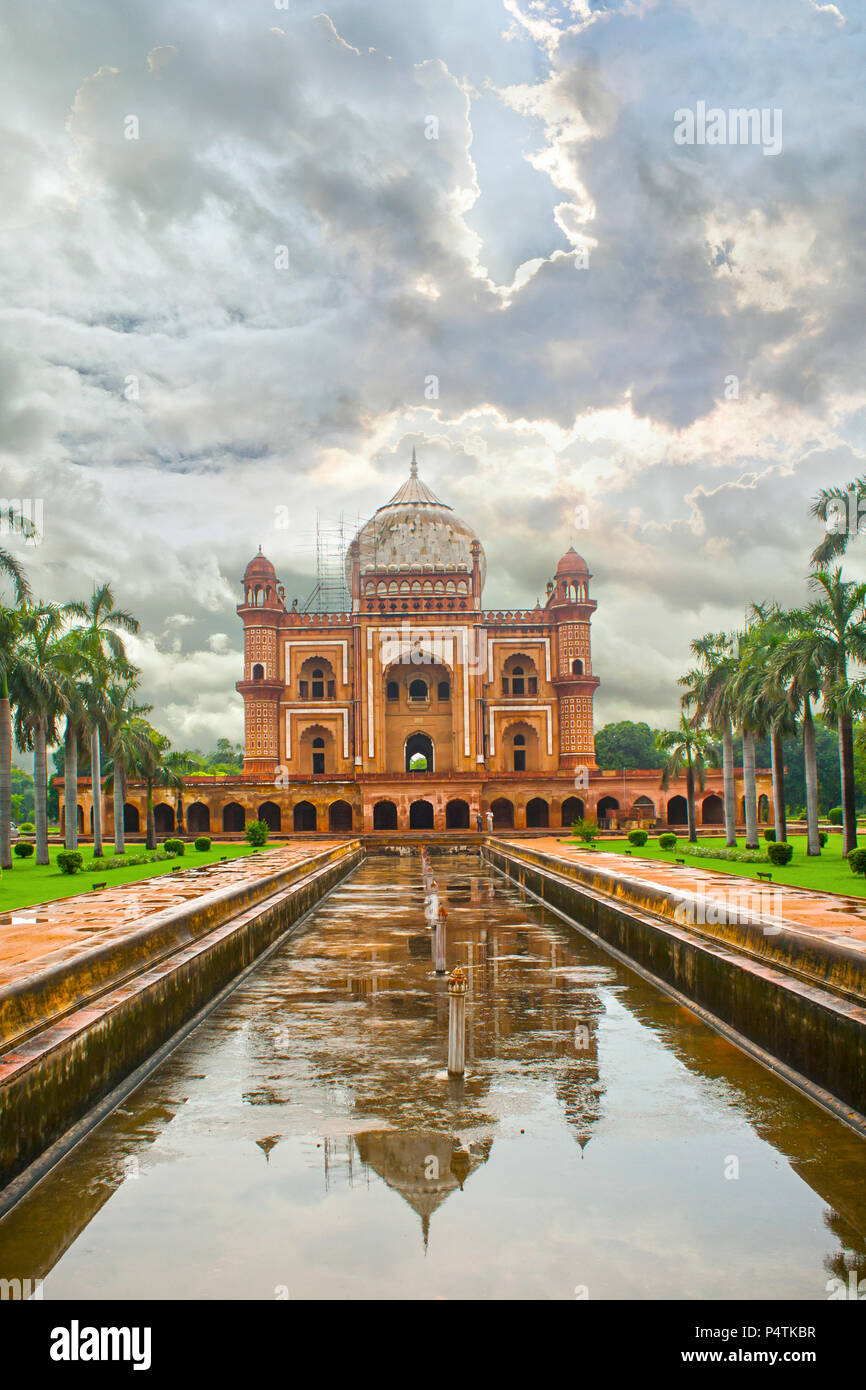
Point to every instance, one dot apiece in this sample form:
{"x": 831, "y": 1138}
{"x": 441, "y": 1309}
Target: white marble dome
{"x": 416, "y": 531}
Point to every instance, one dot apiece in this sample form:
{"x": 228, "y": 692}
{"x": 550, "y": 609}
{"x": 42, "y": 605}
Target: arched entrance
{"x": 234, "y": 817}
{"x": 457, "y": 815}
{"x": 198, "y": 818}
{"x": 340, "y": 816}
{"x": 678, "y": 811}
{"x": 131, "y": 819}
{"x": 421, "y": 815}
{"x": 537, "y": 813}
{"x": 643, "y": 808}
{"x": 607, "y": 807}
{"x": 712, "y": 810}
{"x": 384, "y": 816}
{"x": 418, "y": 747}
{"x": 572, "y": 810}
{"x": 763, "y": 808}
{"x": 304, "y": 816}
{"x": 269, "y": 812}
{"x": 163, "y": 818}
{"x": 503, "y": 813}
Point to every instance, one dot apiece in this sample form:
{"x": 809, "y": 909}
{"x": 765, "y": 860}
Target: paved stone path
{"x": 827, "y": 916}
{"x": 30, "y": 933}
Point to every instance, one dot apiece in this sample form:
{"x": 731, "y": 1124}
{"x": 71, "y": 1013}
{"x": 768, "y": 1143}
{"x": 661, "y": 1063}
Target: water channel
{"x": 305, "y": 1140}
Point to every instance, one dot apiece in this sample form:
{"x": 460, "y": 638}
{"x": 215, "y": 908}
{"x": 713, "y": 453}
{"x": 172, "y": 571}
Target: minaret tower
{"x": 571, "y": 609}
{"x": 262, "y": 609}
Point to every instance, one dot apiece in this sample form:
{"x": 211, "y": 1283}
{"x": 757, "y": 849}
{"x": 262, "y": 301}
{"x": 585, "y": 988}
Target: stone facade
{"x": 418, "y": 708}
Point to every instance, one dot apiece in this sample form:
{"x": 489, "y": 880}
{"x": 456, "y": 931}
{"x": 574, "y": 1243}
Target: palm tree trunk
{"x": 5, "y": 775}
{"x": 810, "y": 765}
{"x": 96, "y": 789}
{"x": 777, "y": 760}
{"x": 690, "y": 795}
{"x": 70, "y": 784}
{"x": 119, "y": 796}
{"x": 750, "y": 790}
{"x": 846, "y": 766}
{"x": 151, "y": 823}
{"x": 728, "y": 781}
{"x": 40, "y": 787}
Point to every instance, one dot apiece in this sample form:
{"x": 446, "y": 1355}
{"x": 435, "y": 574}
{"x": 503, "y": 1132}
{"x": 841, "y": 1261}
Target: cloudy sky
{"x": 240, "y": 237}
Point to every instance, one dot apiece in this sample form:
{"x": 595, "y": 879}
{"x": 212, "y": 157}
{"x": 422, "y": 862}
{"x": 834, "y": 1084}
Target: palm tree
{"x": 105, "y": 654}
{"x": 124, "y": 734}
{"x": 693, "y": 748}
{"x": 37, "y": 690}
{"x": 834, "y": 505}
{"x": 10, "y": 569}
{"x": 72, "y": 665}
{"x": 796, "y": 668}
{"x": 837, "y": 620}
{"x": 151, "y": 765}
{"x": 708, "y": 689}
{"x": 765, "y": 698}
{"x": 178, "y": 763}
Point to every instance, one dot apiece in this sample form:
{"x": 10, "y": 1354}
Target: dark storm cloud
{"x": 168, "y": 389}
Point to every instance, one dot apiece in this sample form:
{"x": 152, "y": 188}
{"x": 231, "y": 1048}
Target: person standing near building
{"x": 489, "y": 822}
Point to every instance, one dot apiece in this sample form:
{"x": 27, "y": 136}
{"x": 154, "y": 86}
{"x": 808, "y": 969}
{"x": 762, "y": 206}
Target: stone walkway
{"x": 826, "y": 916}
{"x": 29, "y": 933}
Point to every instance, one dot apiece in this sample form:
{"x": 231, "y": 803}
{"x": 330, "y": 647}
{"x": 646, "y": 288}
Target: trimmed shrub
{"x": 770, "y": 836}
{"x": 202, "y": 843}
{"x": 256, "y": 832}
{"x": 23, "y": 849}
{"x": 174, "y": 846}
{"x": 835, "y": 815}
{"x": 823, "y": 837}
{"x": 637, "y": 837}
{"x": 780, "y": 854}
{"x": 667, "y": 841}
{"x": 857, "y": 861}
{"x": 27, "y": 827}
{"x": 69, "y": 861}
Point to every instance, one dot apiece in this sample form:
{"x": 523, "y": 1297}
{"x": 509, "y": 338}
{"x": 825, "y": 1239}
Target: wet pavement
{"x": 305, "y": 1141}
{"x": 823, "y": 916}
{"x": 56, "y": 931}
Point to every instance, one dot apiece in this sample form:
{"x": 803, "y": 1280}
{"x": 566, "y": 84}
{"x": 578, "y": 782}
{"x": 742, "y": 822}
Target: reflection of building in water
{"x": 424, "y": 1166}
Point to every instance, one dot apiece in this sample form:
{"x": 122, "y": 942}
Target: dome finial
{"x": 413, "y": 467}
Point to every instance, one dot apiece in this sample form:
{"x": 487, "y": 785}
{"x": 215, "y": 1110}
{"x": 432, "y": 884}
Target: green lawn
{"x": 829, "y": 872}
{"x": 26, "y": 884}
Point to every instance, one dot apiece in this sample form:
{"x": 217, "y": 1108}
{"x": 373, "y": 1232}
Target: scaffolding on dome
{"x": 331, "y": 592}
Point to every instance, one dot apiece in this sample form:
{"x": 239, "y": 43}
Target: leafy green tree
{"x": 626, "y": 744}
{"x": 23, "y": 801}
{"x": 227, "y": 755}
